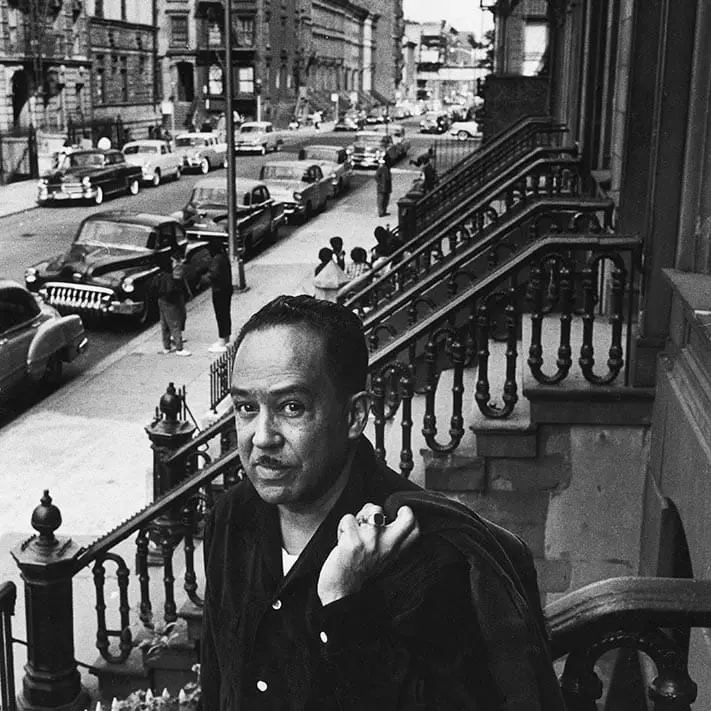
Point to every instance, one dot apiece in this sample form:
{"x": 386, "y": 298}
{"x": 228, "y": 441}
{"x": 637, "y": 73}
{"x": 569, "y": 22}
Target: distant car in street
{"x": 111, "y": 266}
{"x": 434, "y": 122}
{"x": 89, "y": 175}
{"x": 156, "y": 159}
{"x": 300, "y": 185}
{"x": 397, "y": 133}
{"x": 349, "y": 122}
{"x": 258, "y": 136}
{"x": 201, "y": 151}
{"x": 334, "y": 162}
{"x": 35, "y": 341}
{"x": 259, "y": 216}
{"x": 369, "y": 148}
{"x": 464, "y": 130}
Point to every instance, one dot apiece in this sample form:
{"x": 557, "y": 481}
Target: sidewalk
{"x": 86, "y": 443}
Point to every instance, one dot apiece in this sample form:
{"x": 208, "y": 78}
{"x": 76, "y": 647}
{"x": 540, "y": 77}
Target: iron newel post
{"x": 46, "y": 563}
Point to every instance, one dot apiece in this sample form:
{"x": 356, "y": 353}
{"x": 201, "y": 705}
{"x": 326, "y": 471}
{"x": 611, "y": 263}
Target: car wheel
{"x": 204, "y": 166}
{"x": 462, "y": 135}
{"x": 133, "y": 187}
{"x": 155, "y": 181}
{"x": 99, "y": 197}
{"x": 340, "y": 188}
{"x": 307, "y": 212}
{"x": 147, "y": 315}
{"x": 52, "y": 372}
{"x": 263, "y": 151}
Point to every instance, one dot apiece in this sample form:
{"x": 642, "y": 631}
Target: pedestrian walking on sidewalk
{"x": 384, "y": 185}
{"x": 170, "y": 297}
{"x": 219, "y": 277}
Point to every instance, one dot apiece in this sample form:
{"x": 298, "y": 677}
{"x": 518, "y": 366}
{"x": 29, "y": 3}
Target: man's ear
{"x": 358, "y": 409}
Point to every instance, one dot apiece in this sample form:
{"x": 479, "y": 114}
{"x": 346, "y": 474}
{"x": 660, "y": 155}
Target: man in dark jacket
{"x": 219, "y": 277}
{"x": 314, "y": 599}
{"x": 384, "y": 185}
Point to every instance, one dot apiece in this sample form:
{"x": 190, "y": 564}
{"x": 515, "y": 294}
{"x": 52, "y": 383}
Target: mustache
{"x": 271, "y": 462}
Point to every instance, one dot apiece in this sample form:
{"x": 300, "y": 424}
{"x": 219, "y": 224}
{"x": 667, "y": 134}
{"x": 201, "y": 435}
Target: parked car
{"x": 89, "y": 175}
{"x": 156, "y": 159}
{"x": 434, "y": 122}
{"x": 259, "y": 216}
{"x": 377, "y": 116}
{"x": 349, "y": 122}
{"x": 300, "y": 185}
{"x": 111, "y": 266}
{"x": 257, "y": 136}
{"x": 334, "y": 162}
{"x": 35, "y": 341}
{"x": 370, "y": 147}
{"x": 397, "y": 133}
{"x": 201, "y": 151}
{"x": 465, "y": 130}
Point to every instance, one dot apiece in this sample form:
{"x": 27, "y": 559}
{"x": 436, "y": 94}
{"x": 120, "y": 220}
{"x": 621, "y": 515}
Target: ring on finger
{"x": 377, "y": 520}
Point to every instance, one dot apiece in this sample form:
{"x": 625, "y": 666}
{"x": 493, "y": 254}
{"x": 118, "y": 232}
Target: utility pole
{"x": 236, "y": 250}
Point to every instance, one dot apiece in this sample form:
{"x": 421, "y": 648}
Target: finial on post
{"x": 46, "y": 519}
{"x": 170, "y": 404}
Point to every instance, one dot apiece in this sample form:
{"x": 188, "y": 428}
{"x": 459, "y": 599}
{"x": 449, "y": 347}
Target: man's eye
{"x": 245, "y": 408}
{"x": 292, "y": 408}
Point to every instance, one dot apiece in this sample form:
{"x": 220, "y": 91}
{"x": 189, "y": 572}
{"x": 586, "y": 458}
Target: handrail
{"x": 500, "y": 273}
{"x": 508, "y": 177}
{"x": 139, "y": 520}
{"x": 629, "y": 602}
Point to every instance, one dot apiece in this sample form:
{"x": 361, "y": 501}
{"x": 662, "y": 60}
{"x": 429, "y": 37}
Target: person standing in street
{"x": 384, "y": 185}
{"x": 220, "y": 278}
{"x": 170, "y": 299}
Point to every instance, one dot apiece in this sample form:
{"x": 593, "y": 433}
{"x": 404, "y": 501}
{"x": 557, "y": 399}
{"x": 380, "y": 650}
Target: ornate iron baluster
{"x": 378, "y": 407}
{"x": 145, "y": 607}
{"x": 429, "y": 421}
{"x": 407, "y": 390}
{"x": 103, "y": 633}
{"x": 535, "y": 297}
{"x": 189, "y": 521}
{"x": 615, "y": 360}
{"x": 170, "y": 610}
{"x": 483, "y": 391}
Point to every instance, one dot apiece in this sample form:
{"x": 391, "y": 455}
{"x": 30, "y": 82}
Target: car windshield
{"x": 117, "y": 234}
{"x": 82, "y": 160}
{"x": 251, "y": 129}
{"x": 376, "y": 141}
{"x": 187, "y": 141}
{"x": 209, "y": 197}
{"x": 133, "y": 150}
{"x": 326, "y": 154}
{"x": 282, "y": 172}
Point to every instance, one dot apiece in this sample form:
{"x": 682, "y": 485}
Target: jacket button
{"x": 262, "y": 685}
{"x": 324, "y": 637}
{"x": 276, "y": 605}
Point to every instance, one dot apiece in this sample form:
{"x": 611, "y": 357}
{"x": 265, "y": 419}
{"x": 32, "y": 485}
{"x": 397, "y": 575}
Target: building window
{"x": 99, "y": 9}
{"x": 277, "y": 80}
{"x": 214, "y": 80}
{"x": 535, "y": 40}
{"x": 124, "y": 79}
{"x": 245, "y": 80}
{"x": 244, "y": 31}
{"x": 100, "y": 79}
{"x": 178, "y": 31}
{"x": 214, "y": 35}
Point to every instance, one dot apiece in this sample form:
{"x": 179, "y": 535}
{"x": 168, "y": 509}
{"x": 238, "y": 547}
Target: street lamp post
{"x": 236, "y": 250}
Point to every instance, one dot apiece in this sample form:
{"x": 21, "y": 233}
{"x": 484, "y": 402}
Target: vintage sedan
{"x": 257, "y": 136}
{"x": 112, "y": 264}
{"x": 465, "y": 130}
{"x": 334, "y": 162}
{"x": 89, "y": 175}
{"x": 156, "y": 159}
{"x": 349, "y": 122}
{"x": 259, "y": 217}
{"x": 300, "y": 185}
{"x": 434, "y": 122}
{"x": 369, "y": 148}
{"x": 35, "y": 341}
{"x": 400, "y": 140}
{"x": 201, "y": 151}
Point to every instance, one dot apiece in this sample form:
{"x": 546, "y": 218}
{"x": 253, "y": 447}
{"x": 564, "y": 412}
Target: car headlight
{"x": 86, "y": 181}
{"x": 195, "y": 155}
{"x": 30, "y": 275}
{"x": 43, "y": 182}
{"x": 298, "y": 196}
{"x": 349, "y": 151}
{"x": 127, "y": 286}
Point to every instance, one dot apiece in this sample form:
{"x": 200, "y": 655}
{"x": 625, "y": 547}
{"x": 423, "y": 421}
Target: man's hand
{"x": 365, "y": 545}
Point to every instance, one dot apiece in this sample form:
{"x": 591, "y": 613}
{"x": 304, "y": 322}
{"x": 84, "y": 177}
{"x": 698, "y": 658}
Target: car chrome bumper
{"x": 68, "y": 194}
{"x": 87, "y": 299}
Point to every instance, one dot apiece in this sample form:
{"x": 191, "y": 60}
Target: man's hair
{"x": 336, "y": 243}
{"x": 325, "y": 254}
{"x": 346, "y": 353}
{"x": 358, "y": 254}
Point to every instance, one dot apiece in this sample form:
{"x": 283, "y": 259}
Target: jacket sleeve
{"x": 418, "y": 652}
{"x": 210, "y": 677}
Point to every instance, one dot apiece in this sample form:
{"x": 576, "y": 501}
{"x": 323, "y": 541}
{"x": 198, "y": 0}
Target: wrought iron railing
{"x": 543, "y": 172}
{"x": 559, "y": 271}
{"x": 8, "y": 595}
{"x": 644, "y": 615}
{"x": 481, "y": 166}
{"x": 221, "y": 376}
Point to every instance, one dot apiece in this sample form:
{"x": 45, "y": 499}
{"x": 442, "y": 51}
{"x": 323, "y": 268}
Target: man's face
{"x": 292, "y": 430}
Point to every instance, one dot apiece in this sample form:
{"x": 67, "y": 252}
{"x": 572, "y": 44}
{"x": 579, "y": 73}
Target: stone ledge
{"x": 554, "y": 574}
{"x": 514, "y": 442}
{"x": 453, "y": 472}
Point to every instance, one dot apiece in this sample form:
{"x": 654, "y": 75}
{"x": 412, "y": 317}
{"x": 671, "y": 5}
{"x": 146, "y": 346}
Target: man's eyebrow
{"x": 296, "y": 388}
